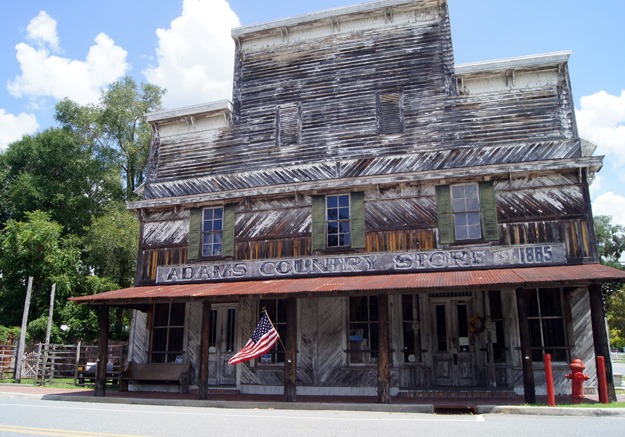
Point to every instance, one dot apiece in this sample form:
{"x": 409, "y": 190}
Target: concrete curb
{"x": 321, "y": 406}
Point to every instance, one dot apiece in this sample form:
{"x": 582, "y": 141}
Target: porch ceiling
{"x": 553, "y": 276}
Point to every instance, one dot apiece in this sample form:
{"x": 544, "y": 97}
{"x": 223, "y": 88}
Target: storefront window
{"x": 167, "y": 333}
{"x": 363, "y": 330}
{"x": 546, "y": 324}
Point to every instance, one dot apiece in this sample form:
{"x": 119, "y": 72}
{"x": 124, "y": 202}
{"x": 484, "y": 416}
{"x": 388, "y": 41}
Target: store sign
{"x": 395, "y": 262}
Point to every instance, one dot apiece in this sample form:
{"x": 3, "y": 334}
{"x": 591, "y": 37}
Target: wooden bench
{"x": 156, "y": 372}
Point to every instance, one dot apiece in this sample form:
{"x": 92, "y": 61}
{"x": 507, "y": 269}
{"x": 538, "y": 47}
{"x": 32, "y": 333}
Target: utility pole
{"x": 20, "y": 346}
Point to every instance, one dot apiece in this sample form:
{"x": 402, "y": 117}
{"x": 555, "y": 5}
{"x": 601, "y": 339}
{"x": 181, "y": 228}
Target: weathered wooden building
{"x": 408, "y": 223}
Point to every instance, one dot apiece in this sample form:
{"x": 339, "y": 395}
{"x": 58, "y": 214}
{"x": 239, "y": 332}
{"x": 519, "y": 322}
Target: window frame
{"x": 369, "y": 355}
{"x": 390, "y": 112}
{"x": 561, "y": 352}
{"x": 288, "y": 125}
{"x": 277, "y": 315}
{"x": 168, "y": 327}
{"x": 458, "y": 214}
{"x": 339, "y": 221}
{"x": 212, "y": 232}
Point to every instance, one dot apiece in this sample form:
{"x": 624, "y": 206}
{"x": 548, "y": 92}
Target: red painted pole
{"x": 551, "y": 396}
{"x": 602, "y": 380}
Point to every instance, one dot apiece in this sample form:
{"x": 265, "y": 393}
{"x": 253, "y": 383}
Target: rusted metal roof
{"x": 569, "y": 275}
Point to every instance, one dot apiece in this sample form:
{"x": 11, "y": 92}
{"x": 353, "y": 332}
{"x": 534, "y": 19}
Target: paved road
{"x": 20, "y": 417}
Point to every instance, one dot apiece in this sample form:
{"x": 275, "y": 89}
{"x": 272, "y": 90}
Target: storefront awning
{"x": 555, "y": 276}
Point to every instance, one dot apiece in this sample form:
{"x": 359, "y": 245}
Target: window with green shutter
{"x": 338, "y": 220}
{"x": 467, "y": 212}
{"x": 211, "y": 232}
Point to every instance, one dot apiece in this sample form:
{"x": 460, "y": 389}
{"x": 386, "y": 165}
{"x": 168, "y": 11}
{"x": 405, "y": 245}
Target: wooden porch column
{"x": 204, "y": 344}
{"x": 384, "y": 353}
{"x": 529, "y": 388}
{"x": 103, "y": 349}
{"x": 290, "y": 362}
{"x": 600, "y": 335}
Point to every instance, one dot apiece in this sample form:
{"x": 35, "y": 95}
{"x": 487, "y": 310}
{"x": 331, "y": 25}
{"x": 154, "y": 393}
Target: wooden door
{"x": 454, "y": 352}
{"x": 222, "y": 344}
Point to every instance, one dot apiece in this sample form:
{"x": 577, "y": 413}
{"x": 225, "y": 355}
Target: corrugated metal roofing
{"x": 435, "y": 281}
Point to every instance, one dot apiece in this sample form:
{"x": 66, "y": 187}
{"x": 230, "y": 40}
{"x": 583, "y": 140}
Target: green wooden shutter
{"x": 445, "y": 216}
{"x": 489, "y": 211}
{"x": 227, "y": 243}
{"x": 318, "y": 222}
{"x": 358, "y": 220}
{"x": 195, "y": 234}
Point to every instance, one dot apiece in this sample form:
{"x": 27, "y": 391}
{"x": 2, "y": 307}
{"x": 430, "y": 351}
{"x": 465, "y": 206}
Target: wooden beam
{"x": 290, "y": 364}
{"x": 384, "y": 352}
{"x": 600, "y": 335}
{"x": 529, "y": 389}
{"x": 103, "y": 348}
{"x": 204, "y": 345}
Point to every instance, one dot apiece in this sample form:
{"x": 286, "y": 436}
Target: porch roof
{"x": 552, "y": 276}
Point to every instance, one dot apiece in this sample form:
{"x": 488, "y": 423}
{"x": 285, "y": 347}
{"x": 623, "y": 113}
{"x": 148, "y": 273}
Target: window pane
{"x": 218, "y": 213}
{"x": 343, "y": 213}
{"x": 532, "y": 303}
{"x": 161, "y": 314}
{"x": 175, "y": 340}
{"x": 333, "y": 240}
{"x": 344, "y": 201}
{"x": 177, "y": 314}
{"x": 345, "y": 240}
{"x": 208, "y": 214}
{"x": 332, "y": 201}
{"x": 441, "y": 328}
{"x": 553, "y": 332}
{"x": 159, "y": 339}
{"x": 550, "y": 303}
{"x": 208, "y": 226}
{"x": 218, "y": 225}
{"x": 333, "y": 214}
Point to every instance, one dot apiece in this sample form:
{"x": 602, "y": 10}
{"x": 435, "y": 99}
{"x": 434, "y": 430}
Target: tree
{"x": 54, "y": 172}
{"x": 616, "y": 319}
{"x": 610, "y": 239}
{"x": 111, "y": 245}
{"x": 35, "y": 247}
{"x": 118, "y": 126}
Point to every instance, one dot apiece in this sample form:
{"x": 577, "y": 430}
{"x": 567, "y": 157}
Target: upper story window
{"x": 465, "y": 204}
{"x": 212, "y": 231}
{"x": 338, "y": 218}
{"x": 288, "y": 125}
{"x": 467, "y": 212}
{"x": 390, "y": 113}
{"x": 338, "y": 221}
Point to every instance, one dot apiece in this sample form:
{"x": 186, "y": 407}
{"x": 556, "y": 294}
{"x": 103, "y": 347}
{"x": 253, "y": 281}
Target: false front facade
{"x": 408, "y": 224}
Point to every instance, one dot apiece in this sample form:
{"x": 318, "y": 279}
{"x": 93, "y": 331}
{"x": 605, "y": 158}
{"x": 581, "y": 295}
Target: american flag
{"x": 262, "y": 340}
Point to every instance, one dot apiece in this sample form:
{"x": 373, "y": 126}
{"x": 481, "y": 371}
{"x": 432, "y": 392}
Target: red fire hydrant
{"x": 577, "y": 377}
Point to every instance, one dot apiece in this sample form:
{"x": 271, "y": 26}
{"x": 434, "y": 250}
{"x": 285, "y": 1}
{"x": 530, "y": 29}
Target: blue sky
{"x": 50, "y": 49}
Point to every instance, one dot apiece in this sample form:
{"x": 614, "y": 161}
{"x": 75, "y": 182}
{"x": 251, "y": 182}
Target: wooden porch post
{"x": 529, "y": 389}
{"x": 103, "y": 348}
{"x": 600, "y": 335}
{"x": 384, "y": 369}
{"x": 290, "y": 364}
{"x": 204, "y": 345}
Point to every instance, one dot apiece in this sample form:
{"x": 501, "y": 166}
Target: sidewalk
{"x": 464, "y": 405}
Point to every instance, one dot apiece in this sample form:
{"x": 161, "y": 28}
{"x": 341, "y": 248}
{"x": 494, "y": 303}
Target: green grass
{"x": 59, "y": 383}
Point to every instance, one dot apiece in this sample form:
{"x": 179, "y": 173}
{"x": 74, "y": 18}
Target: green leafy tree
{"x": 117, "y": 126}
{"x": 56, "y": 173}
{"x": 111, "y": 245}
{"x": 611, "y": 245}
{"x": 610, "y": 239}
{"x": 35, "y": 247}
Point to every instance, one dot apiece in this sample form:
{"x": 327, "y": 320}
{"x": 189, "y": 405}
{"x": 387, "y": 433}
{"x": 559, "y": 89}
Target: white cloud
{"x": 196, "y": 54}
{"x": 46, "y": 75}
{"x": 610, "y": 204}
{"x": 601, "y": 119}
{"x": 42, "y": 30}
{"x": 13, "y": 127}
